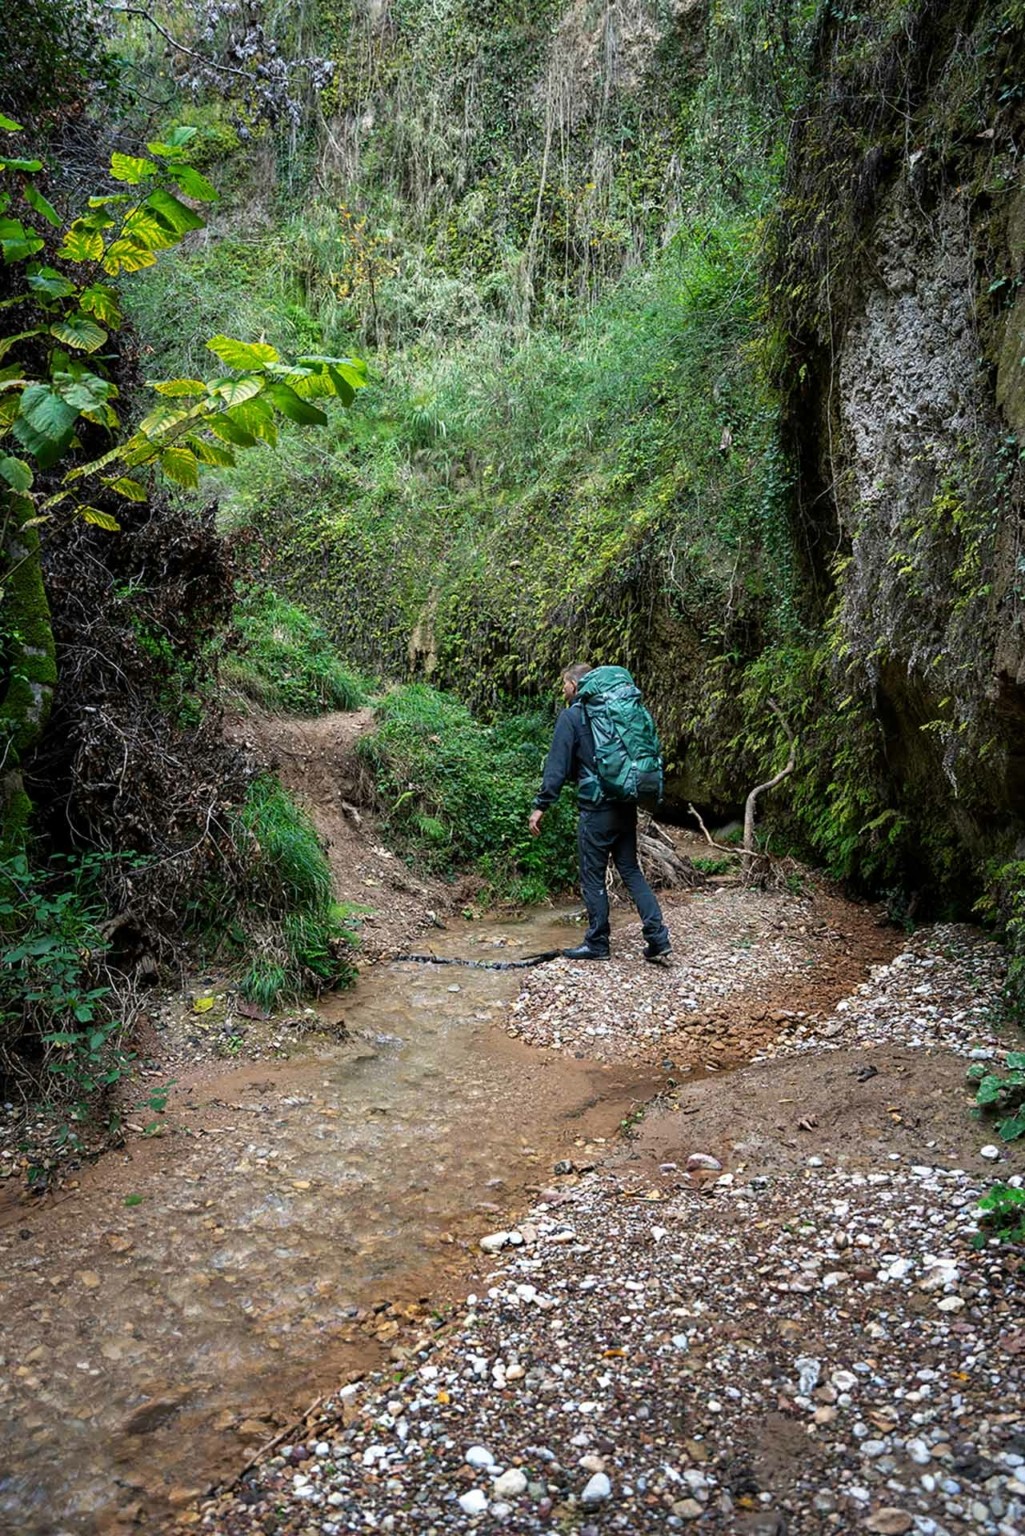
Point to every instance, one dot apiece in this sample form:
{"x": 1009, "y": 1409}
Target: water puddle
{"x": 198, "y": 1290}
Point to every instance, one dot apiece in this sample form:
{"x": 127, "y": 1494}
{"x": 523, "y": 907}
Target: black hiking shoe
{"x": 585, "y": 952}
{"x": 659, "y": 949}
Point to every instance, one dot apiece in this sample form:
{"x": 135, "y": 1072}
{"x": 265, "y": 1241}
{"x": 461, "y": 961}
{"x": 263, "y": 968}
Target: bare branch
{"x": 223, "y": 69}
{"x": 749, "y": 807}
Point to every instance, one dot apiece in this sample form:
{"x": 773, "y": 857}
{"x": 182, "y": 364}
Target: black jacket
{"x": 570, "y": 759}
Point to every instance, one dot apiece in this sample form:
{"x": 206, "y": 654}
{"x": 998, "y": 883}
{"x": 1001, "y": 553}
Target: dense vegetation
{"x": 458, "y": 794}
{"x": 694, "y": 338}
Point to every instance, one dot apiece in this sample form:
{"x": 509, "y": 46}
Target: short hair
{"x": 577, "y": 671}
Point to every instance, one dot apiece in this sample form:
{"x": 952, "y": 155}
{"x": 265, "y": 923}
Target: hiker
{"x": 608, "y": 822}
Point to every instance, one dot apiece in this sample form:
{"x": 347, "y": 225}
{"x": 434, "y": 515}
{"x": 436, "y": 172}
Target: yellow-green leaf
{"x": 178, "y": 388}
{"x": 126, "y": 256}
{"x": 193, "y": 184}
{"x": 242, "y": 354}
{"x": 101, "y": 519}
{"x": 236, "y": 391}
{"x": 175, "y": 214}
{"x": 131, "y": 168}
{"x": 144, "y": 229}
{"x": 130, "y": 489}
{"x": 101, "y": 301}
{"x": 81, "y": 243}
{"x": 211, "y": 453}
{"x": 79, "y": 331}
{"x": 181, "y": 466}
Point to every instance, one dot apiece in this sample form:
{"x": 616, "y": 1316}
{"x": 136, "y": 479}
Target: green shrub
{"x": 1002, "y": 1095}
{"x": 58, "y": 1008}
{"x": 457, "y": 794}
{"x": 284, "y": 661}
{"x": 1002, "y": 1215}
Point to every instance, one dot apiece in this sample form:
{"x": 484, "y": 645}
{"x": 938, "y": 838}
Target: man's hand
{"x": 535, "y": 823}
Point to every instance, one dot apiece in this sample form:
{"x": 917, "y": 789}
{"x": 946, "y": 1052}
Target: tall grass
{"x": 273, "y": 911}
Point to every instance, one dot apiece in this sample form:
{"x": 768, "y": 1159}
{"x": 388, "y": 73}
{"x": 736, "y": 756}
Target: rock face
{"x": 905, "y": 396}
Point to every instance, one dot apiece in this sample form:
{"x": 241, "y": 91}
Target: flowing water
{"x": 200, "y": 1288}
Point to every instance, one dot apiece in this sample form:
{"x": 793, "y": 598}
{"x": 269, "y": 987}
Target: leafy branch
{"x": 198, "y": 422}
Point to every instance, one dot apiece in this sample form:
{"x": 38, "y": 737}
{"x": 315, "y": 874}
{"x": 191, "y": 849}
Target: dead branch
{"x": 662, "y": 864}
{"x": 749, "y": 806}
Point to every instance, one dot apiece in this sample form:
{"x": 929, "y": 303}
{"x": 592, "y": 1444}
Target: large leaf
{"x": 290, "y": 405}
{"x": 175, "y": 214}
{"x": 28, "y": 166}
{"x": 100, "y": 519}
{"x": 175, "y": 142}
{"x": 242, "y": 354}
{"x": 36, "y": 200}
{"x": 9, "y": 125}
{"x": 82, "y": 243}
{"x": 230, "y": 431}
{"x": 131, "y": 168}
{"x": 130, "y": 489}
{"x": 235, "y": 391}
{"x": 144, "y": 229}
{"x": 16, "y": 473}
{"x": 78, "y": 330}
{"x": 1013, "y": 1127}
{"x": 101, "y": 301}
{"x": 178, "y": 388}
{"x": 211, "y": 453}
{"x": 50, "y": 283}
{"x": 126, "y": 256}
{"x": 180, "y": 465}
{"x": 45, "y": 424}
{"x": 161, "y": 418}
{"x": 84, "y": 390}
{"x": 990, "y": 1090}
{"x": 1016, "y": 1060}
{"x": 193, "y": 184}
{"x": 17, "y": 242}
{"x": 256, "y": 417}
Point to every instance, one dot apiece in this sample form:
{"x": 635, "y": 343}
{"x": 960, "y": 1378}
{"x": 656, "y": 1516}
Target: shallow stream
{"x": 200, "y": 1288}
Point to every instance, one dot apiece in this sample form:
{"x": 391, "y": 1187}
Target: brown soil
{"x": 314, "y": 758}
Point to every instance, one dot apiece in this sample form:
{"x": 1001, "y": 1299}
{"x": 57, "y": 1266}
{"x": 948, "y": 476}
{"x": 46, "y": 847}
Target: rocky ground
{"x": 766, "y": 1313}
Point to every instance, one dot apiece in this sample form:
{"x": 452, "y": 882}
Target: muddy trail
{"x": 296, "y": 1222}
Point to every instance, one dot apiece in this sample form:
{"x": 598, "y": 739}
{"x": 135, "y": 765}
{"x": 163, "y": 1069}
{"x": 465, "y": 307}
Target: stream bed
{"x": 199, "y": 1288}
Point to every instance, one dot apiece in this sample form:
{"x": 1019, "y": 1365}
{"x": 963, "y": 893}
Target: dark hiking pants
{"x": 604, "y": 832}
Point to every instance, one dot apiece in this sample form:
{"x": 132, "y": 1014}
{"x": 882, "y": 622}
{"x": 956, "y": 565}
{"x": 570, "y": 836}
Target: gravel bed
{"x": 729, "y": 943}
{"x": 942, "y": 990}
{"x": 665, "y": 1345}
{"x": 823, "y": 1351}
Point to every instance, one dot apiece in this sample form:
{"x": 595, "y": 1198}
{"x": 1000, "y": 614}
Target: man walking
{"x": 607, "y": 829}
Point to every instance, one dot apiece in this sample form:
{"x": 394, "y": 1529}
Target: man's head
{"x": 571, "y": 679}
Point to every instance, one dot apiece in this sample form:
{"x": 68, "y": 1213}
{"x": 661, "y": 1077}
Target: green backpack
{"x": 627, "y": 753}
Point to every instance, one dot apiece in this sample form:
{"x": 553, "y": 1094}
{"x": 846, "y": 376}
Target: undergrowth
{"x": 280, "y": 657}
{"x": 61, "y": 1011}
{"x": 276, "y": 914}
{"x": 1002, "y": 1215}
{"x": 456, "y": 794}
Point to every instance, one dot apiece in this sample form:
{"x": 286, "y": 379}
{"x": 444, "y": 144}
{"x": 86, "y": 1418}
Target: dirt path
{"x": 315, "y": 760}
{"x": 303, "y": 1222}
